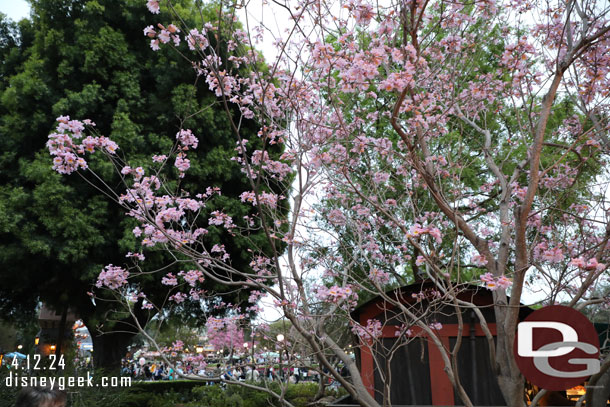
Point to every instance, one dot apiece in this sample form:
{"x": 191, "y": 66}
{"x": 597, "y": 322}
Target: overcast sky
{"x": 15, "y": 9}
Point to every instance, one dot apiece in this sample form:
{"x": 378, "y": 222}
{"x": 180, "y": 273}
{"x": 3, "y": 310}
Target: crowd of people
{"x": 150, "y": 371}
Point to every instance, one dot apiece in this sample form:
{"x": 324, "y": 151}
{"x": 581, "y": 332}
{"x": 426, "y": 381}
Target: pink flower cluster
{"x": 554, "y": 255}
{"x": 372, "y": 330}
{"x": 187, "y": 139}
{"x": 417, "y": 230}
{"x": 169, "y": 279}
{"x": 192, "y": 277}
{"x": 379, "y": 277}
{"x": 112, "y": 277}
{"x": 436, "y": 326}
{"x": 478, "y": 260}
{"x": 264, "y": 198}
{"x": 164, "y": 35}
{"x": 182, "y": 163}
{"x": 218, "y": 218}
{"x": 68, "y": 154}
{"x": 336, "y": 217}
{"x": 261, "y": 265}
{"x": 225, "y": 333}
{"x": 197, "y": 40}
{"x": 591, "y": 264}
{"x": 275, "y": 169}
{"x": 178, "y": 298}
{"x": 138, "y": 256}
{"x": 428, "y": 294}
{"x": 493, "y": 283}
{"x": 403, "y": 330}
{"x": 153, "y": 6}
{"x": 336, "y": 293}
{"x": 362, "y": 12}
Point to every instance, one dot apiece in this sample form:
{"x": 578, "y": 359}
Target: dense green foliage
{"x": 89, "y": 59}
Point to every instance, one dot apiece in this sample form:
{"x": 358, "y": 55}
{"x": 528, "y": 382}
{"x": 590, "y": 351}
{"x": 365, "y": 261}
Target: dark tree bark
{"x": 109, "y": 348}
{"x": 61, "y": 332}
{"x": 601, "y": 394}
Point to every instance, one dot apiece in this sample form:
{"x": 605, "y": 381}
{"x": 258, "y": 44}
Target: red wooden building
{"x": 416, "y": 368}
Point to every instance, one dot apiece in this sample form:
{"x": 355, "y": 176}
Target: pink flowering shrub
{"x": 225, "y": 333}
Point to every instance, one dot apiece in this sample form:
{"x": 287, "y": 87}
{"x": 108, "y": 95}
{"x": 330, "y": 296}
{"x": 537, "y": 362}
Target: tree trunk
{"x": 321, "y": 389}
{"x": 601, "y": 393}
{"x": 109, "y": 348}
{"x": 513, "y": 391}
{"x": 61, "y": 332}
{"x": 510, "y": 380}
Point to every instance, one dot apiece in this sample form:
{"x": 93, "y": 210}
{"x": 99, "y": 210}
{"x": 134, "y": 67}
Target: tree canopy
{"x": 91, "y": 59}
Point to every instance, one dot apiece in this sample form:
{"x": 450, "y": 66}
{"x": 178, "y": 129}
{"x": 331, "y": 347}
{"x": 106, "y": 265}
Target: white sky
{"x": 15, "y": 9}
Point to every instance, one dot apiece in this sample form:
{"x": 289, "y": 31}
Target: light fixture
{"x": 36, "y": 341}
{"x": 245, "y": 345}
{"x": 280, "y": 337}
{"x": 199, "y": 348}
{"x": 20, "y": 347}
{"x": 53, "y": 347}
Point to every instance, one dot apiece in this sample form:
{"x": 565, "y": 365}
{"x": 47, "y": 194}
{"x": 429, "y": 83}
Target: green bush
{"x": 97, "y": 397}
{"x": 164, "y": 386}
{"x": 7, "y": 394}
{"x": 299, "y": 395}
{"x": 216, "y": 396}
{"x": 305, "y": 391}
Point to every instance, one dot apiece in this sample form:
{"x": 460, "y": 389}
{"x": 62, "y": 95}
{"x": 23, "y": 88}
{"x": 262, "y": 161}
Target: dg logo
{"x": 557, "y": 348}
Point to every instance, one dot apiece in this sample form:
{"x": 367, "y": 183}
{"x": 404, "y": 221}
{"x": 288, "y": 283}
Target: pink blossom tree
{"x": 225, "y": 334}
{"x": 461, "y": 143}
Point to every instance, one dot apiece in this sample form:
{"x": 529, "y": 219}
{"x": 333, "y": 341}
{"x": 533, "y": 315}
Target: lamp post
{"x": 280, "y": 339}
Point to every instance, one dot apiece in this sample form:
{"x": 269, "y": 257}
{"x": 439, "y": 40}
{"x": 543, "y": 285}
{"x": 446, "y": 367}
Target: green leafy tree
{"x": 89, "y": 59}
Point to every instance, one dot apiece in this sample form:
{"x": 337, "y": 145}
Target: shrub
{"x": 216, "y": 396}
{"x": 300, "y": 395}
